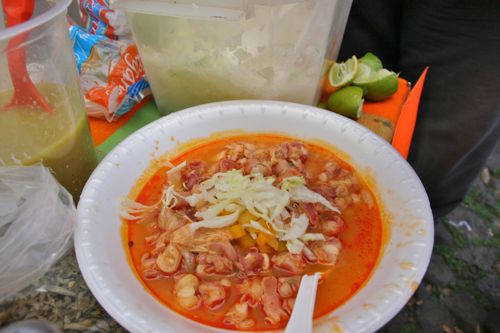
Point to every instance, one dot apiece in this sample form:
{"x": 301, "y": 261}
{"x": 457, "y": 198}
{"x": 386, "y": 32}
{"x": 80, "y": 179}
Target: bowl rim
{"x": 393, "y": 308}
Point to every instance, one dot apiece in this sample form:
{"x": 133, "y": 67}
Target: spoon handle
{"x": 303, "y": 310}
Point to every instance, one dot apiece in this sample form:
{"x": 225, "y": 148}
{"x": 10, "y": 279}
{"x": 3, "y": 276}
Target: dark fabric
{"x": 459, "y": 116}
{"x": 373, "y": 25}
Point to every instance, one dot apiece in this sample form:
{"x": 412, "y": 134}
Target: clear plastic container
{"x": 59, "y": 138}
{"x": 200, "y": 51}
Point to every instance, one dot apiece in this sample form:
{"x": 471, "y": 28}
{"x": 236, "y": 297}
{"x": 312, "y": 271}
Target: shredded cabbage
{"x": 170, "y": 197}
{"x": 298, "y": 226}
{"x": 280, "y": 207}
{"x": 215, "y": 222}
{"x": 254, "y": 193}
{"x": 174, "y": 174}
{"x": 167, "y": 163}
{"x": 292, "y": 182}
{"x": 294, "y": 246}
{"x": 176, "y": 168}
{"x": 135, "y": 211}
{"x": 232, "y": 191}
{"x": 285, "y": 214}
{"x": 302, "y": 194}
{"x": 233, "y": 208}
{"x": 193, "y": 199}
{"x": 214, "y": 210}
{"x": 256, "y": 225}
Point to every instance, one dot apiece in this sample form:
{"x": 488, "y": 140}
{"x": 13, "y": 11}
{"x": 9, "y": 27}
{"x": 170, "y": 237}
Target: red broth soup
{"x": 225, "y": 231}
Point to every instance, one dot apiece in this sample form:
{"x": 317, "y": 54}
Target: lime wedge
{"x": 379, "y": 85}
{"x": 372, "y": 61}
{"x": 364, "y": 74}
{"x": 347, "y": 101}
{"x": 342, "y": 73}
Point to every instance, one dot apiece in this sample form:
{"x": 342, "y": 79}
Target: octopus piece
{"x": 169, "y": 260}
{"x": 226, "y": 164}
{"x": 160, "y": 244}
{"x": 238, "y": 316}
{"x": 225, "y": 282}
{"x": 288, "y": 286}
{"x": 186, "y": 291}
{"x": 213, "y": 294}
{"x": 342, "y": 202}
{"x": 151, "y": 274}
{"x": 148, "y": 265}
{"x": 251, "y": 291}
{"x": 287, "y": 305}
{"x": 192, "y": 174}
{"x": 254, "y": 166}
{"x": 224, "y": 248}
{"x": 297, "y": 151}
{"x": 309, "y": 256}
{"x": 332, "y": 224}
{"x": 290, "y": 151}
{"x": 327, "y": 251}
{"x": 254, "y": 262}
{"x": 237, "y": 151}
{"x": 200, "y": 240}
{"x": 148, "y": 261}
{"x": 283, "y": 169}
{"x": 151, "y": 239}
{"x": 271, "y": 302}
{"x": 330, "y": 171}
{"x": 341, "y": 190}
{"x": 326, "y": 191}
{"x": 188, "y": 260}
{"x": 288, "y": 264}
{"x": 262, "y": 154}
{"x": 311, "y": 212}
{"x": 333, "y": 171}
{"x": 210, "y": 264}
{"x": 190, "y": 212}
{"x": 170, "y": 220}
{"x": 346, "y": 182}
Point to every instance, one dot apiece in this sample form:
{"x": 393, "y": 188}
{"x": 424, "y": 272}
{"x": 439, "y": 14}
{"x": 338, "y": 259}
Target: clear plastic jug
{"x": 59, "y": 135}
{"x": 200, "y": 51}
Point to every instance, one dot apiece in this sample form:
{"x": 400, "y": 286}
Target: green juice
{"x": 61, "y": 139}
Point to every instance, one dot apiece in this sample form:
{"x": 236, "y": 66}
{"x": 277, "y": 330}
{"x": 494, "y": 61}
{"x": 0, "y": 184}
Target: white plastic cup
{"x": 59, "y": 139}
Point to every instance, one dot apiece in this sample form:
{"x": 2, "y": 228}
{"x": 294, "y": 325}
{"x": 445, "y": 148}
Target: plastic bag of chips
{"x": 111, "y": 73}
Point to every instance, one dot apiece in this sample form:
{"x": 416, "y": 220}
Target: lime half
{"x": 379, "y": 85}
{"x": 372, "y": 61}
{"x": 364, "y": 74}
{"x": 347, "y": 101}
{"x": 342, "y": 73}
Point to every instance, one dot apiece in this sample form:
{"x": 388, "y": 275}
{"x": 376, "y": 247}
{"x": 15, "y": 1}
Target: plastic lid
{"x": 231, "y": 10}
{"x": 194, "y": 11}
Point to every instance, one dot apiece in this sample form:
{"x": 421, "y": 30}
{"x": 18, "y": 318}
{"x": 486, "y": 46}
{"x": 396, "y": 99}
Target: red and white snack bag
{"x": 111, "y": 72}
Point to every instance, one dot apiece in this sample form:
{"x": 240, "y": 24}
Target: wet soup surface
{"x": 223, "y": 232}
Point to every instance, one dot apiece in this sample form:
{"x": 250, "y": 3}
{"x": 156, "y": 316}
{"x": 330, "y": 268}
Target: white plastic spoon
{"x": 302, "y": 314}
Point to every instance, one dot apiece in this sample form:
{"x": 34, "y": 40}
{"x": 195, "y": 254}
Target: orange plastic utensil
{"x": 25, "y": 92}
{"x": 403, "y": 133}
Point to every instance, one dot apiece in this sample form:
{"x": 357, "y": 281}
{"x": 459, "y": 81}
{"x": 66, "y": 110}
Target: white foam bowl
{"x": 102, "y": 258}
